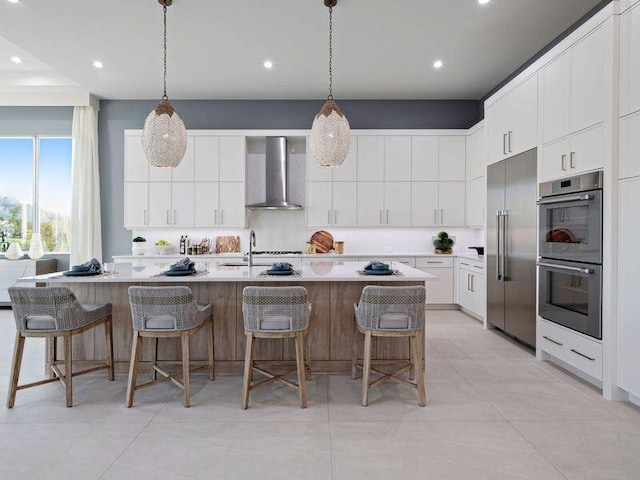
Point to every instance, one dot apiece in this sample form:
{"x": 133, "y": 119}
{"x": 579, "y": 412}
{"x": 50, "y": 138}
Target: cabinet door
{"x": 554, "y": 162}
{"x": 184, "y": 171}
{"x": 316, "y": 173}
{"x": 523, "y": 105}
{"x": 628, "y": 281}
{"x": 496, "y": 125}
{"x": 231, "y": 160}
{"x": 231, "y": 202}
{"x": 441, "y": 290}
{"x": 588, "y": 85}
{"x": 205, "y": 212}
{"x": 556, "y": 95}
{"x": 370, "y": 203}
{"x": 318, "y": 206}
{"x": 452, "y": 203}
{"x": 630, "y": 146}
{"x": 476, "y": 202}
{"x": 479, "y": 294}
{"x": 345, "y": 202}
{"x": 397, "y": 158}
{"x": 424, "y": 204}
{"x": 476, "y": 153}
{"x": 159, "y": 204}
{"x": 464, "y": 289}
{"x": 371, "y": 158}
{"x": 424, "y": 158}
{"x": 206, "y": 159}
{"x": 136, "y": 165}
{"x": 451, "y": 159}
{"x": 182, "y": 204}
{"x": 630, "y": 61}
{"x": 587, "y": 150}
{"x": 348, "y": 171}
{"x": 397, "y": 204}
{"x": 136, "y": 204}
{"x": 10, "y": 272}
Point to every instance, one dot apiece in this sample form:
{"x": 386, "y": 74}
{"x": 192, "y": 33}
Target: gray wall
{"x": 119, "y": 115}
{"x": 54, "y": 121}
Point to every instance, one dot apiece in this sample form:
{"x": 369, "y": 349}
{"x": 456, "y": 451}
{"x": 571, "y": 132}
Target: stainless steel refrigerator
{"x": 511, "y": 246}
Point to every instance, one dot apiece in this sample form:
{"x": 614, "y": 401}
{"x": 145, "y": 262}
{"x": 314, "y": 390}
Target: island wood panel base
{"x": 331, "y": 327}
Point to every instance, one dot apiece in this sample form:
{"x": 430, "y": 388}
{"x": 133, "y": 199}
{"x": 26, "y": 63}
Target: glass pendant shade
{"x": 164, "y": 137}
{"x": 330, "y": 136}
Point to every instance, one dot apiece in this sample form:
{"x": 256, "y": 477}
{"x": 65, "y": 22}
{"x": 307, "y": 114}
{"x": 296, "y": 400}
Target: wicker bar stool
{"x": 391, "y": 312}
{"x": 166, "y": 312}
{"x": 275, "y": 312}
{"x": 51, "y": 312}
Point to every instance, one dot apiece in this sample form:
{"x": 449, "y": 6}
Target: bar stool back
{"x": 275, "y": 312}
{"x": 165, "y": 312}
{"x": 391, "y": 312}
{"x": 51, "y": 312}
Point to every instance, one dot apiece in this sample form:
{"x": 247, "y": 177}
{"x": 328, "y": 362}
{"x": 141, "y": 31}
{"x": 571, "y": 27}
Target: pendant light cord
{"x": 330, "y": 97}
{"x": 164, "y": 8}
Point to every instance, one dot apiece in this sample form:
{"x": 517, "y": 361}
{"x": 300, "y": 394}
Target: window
{"x": 35, "y": 188}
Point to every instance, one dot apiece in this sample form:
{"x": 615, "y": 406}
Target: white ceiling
{"x": 382, "y": 49}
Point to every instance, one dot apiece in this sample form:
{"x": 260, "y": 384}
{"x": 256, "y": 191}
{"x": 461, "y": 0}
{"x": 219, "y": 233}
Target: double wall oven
{"x": 570, "y": 253}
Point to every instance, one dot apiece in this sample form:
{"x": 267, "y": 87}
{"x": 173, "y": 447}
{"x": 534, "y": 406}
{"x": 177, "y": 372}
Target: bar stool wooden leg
{"x": 212, "y": 371}
{"x": 366, "y": 368}
{"x": 18, "y": 350}
{"x": 50, "y": 343}
{"x": 154, "y": 358}
{"x": 307, "y": 358}
{"x": 136, "y": 351}
{"x": 354, "y": 352}
{"x": 68, "y": 369}
{"x": 416, "y": 358}
{"x": 301, "y": 369}
{"x": 412, "y": 370}
{"x": 185, "y": 368}
{"x": 248, "y": 369}
{"x": 108, "y": 333}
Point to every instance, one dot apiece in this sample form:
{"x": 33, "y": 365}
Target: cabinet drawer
{"x": 434, "y": 262}
{"x": 574, "y": 349}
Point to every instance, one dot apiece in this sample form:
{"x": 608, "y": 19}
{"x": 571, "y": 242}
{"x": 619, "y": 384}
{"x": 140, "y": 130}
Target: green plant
{"x": 139, "y": 239}
{"x": 163, "y": 243}
{"x": 443, "y": 242}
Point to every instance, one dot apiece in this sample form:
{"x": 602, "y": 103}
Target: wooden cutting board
{"x": 323, "y": 241}
{"x": 228, "y": 244}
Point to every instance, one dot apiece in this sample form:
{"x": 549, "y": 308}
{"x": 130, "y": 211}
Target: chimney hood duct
{"x": 276, "y": 177}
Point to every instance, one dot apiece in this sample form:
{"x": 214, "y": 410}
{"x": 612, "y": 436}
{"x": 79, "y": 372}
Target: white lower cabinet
{"x": 472, "y": 290}
{"x": 570, "y": 347}
{"x": 440, "y": 291}
{"x": 12, "y": 270}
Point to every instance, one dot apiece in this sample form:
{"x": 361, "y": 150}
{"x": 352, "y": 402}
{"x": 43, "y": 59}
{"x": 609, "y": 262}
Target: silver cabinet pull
{"x": 387, "y": 216}
{"x": 468, "y": 282}
{"x": 429, "y": 261}
{"x": 583, "y": 355}
{"x": 435, "y": 216}
{"x": 478, "y": 267}
{"x": 335, "y": 217}
{"x": 572, "y": 198}
{"x": 572, "y": 159}
{"x": 328, "y": 217}
{"x": 564, "y": 162}
{"x": 174, "y": 217}
{"x": 144, "y": 217}
{"x": 167, "y": 217}
{"x": 221, "y": 217}
{"x": 442, "y": 216}
{"x": 462, "y": 263}
{"x": 504, "y": 144}
{"x": 510, "y": 132}
{"x": 215, "y": 217}
{"x": 552, "y": 340}
{"x": 473, "y": 288}
{"x": 564, "y": 267}
{"x": 381, "y": 217}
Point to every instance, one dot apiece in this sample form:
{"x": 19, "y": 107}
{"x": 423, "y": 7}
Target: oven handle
{"x": 565, "y": 267}
{"x": 572, "y": 198}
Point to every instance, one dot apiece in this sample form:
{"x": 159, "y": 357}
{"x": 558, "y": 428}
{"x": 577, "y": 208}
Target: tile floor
{"x": 494, "y": 412}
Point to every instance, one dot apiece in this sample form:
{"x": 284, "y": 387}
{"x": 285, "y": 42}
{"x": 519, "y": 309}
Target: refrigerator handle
{"x": 505, "y": 226}
{"x": 498, "y": 250}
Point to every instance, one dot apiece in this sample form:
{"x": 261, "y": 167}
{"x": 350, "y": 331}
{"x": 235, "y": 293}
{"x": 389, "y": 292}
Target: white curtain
{"x": 86, "y": 228}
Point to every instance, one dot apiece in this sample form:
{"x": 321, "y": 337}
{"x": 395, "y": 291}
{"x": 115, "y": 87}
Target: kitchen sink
{"x": 245, "y": 264}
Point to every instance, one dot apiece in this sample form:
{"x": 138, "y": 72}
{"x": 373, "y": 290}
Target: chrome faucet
{"x": 252, "y": 243}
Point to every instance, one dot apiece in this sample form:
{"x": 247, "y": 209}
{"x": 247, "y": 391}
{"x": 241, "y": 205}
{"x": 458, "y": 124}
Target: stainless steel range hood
{"x": 276, "y": 177}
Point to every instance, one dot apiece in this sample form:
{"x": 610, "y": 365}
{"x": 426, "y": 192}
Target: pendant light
{"x": 330, "y": 132}
{"x": 164, "y": 136}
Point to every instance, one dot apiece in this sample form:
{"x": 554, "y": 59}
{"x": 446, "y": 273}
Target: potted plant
{"x": 163, "y": 247}
{"x": 139, "y": 246}
{"x": 443, "y": 243}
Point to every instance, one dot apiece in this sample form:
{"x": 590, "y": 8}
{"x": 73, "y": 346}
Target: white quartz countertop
{"x": 216, "y": 271}
{"x": 319, "y": 256}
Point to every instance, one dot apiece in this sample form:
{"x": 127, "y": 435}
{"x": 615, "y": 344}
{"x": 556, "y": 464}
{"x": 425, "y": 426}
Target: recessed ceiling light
{"x": 14, "y": 1}
{"x": 437, "y": 64}
{"x": 98, "y": 64}
{"x": 483, "y": 2}
{"x": 268, "y": 64}
{"x": 16, "y": 59}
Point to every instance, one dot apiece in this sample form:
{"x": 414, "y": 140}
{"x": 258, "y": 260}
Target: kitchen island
{"x": 333, "y": 289}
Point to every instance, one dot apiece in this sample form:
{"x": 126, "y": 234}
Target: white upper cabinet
{"x": 231, "y": 158}
{"x": 206, "y": 149}
{"x": 371, "y": 158}
{"x": 630, "y": 145}
{"x": 182, "y": 173}
{"x": 512, "y": 121}
{"x": 397, "y": 204}
{"x": 630, "y": 61}
{"x": 206, "y": 211}
{"x": 574, "y": 86}
{"x": 136, "y": 204}
{"x": 578, "y": 153}
{"x": 476, "y": 154}
{"x": 231, "y": 203}
{"x": 451, "y": 158}
{"x": 182, "y": 204}
{"x": 476, "y": 202}
{"x": 424, "y": 158}
{"x": 136, "y": 165}
{"x": 438, "y": 204}
{"x": 347, "y": 172}
{"x": 370, "y": 204}
{"x": 397, "y": 158}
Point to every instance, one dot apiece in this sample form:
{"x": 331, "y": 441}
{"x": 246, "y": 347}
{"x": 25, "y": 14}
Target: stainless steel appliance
{"x": 570, "y": 253}
{"x": 571, "y": 219}
{"x": 511, "y": 246}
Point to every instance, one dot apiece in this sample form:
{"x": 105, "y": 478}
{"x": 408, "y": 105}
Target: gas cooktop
{"x": 277, "y": 252}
